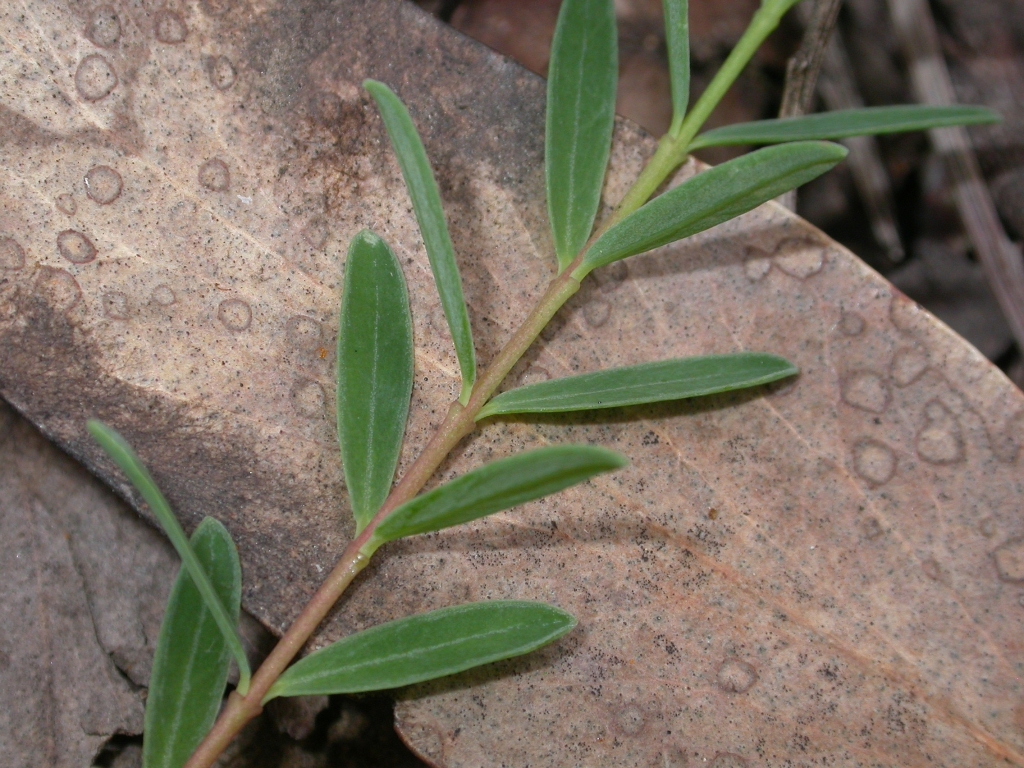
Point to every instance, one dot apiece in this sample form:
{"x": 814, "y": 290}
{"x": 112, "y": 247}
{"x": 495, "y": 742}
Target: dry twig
{"x": 802, "y": 70}
{"x": 839, "y": 91}
{"x": 931, "y": 82}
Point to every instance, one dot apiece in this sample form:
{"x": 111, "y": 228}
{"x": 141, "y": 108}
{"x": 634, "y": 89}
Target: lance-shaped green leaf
{"x": 709, "y": 198}
{"x": 580, "y": 116}
{"x": 844, "y": 123}
{"x": 426, "y": 201}
{"x": 494, "y": 487}
{"x": 677, "y": 36}
{"x": 645, "y": 383}
{"x": 375, "y": 369}
{"x": 425, "y": 647}
{"x": 123, "y": 455}
{"x": 190, "y": 668}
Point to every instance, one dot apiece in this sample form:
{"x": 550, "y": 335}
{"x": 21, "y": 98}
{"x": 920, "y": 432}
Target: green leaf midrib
{"x": 351, "y": 669}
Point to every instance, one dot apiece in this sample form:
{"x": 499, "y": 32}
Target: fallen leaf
{"x": 64, "y": 625}
{"x": 828, "y": 571}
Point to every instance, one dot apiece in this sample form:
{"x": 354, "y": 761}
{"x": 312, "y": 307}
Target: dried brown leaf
{"x": 829, "y": 573}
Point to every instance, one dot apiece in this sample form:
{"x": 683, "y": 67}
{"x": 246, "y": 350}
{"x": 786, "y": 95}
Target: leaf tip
{"x": 367, "y": 236}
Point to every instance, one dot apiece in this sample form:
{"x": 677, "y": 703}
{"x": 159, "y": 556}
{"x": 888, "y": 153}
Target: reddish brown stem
{"x": 458, "y": 423}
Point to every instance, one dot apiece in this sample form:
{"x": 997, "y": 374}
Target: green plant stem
{"x": 460, "y": 420}
{"x": 675, "y": 145}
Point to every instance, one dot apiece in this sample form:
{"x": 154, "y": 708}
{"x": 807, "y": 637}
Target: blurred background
{"x": 901, "y": 216}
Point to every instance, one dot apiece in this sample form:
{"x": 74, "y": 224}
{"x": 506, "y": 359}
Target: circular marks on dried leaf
{"x": 327, "y": 107}
{"x": 940, "y": 441}
{"x": 170, "y": 28}
{"x": 932, "y": 569}
{"x": 1010, "y": 560}
{"x": 800, "y": 257}
{"x": 728, "y": 760}
{"x": 534, "y": 374}
{"x": 115, "y": 306}
{"x": 736, "y": 676}
{"x": 316, "y": 233}
{"x": 214, "y": 175}
{"x": 611, "y": 277}
{"x": 755, "y": 269}
{"x": 103, "y": 184}
{"x": 908, "y": 365}
{"x": 104, "y": 27}
{"x": 874, "y": 461}
{"x": 308, "y": 398}
{"x": 596, "y": 312}
{"x": 303, "y": 332}
{"x": 66, "y": 204}
{"x": 58, "y": 288}
{"x": 12, "y": 255}
{"x": 428, "y": 738}
{"x": 216, "y": 7}
{"x": 1006, "y": 443}
{"x": 234, "y": 314}
{"x": 221, "y": 72}
{"x": 866, "y": 390}
{"x": 630, "y": 720}
{"x": 670, "y": 756}
{"x": 851, "y": 324}
{"x": 75, "y": 247}
{"x": 163, "y": 295}
{"x": 872, "y": 528}
{"x": 95, "y": 78}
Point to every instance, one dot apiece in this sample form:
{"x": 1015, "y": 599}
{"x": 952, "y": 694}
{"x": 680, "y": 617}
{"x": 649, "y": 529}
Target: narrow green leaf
{"x": 646, "y": 383}
{"x": 677, "y": 37}
{"x": 500, "y": 485}
{"x": 135, "y": 470}
{"x": 711, "y": 197}
{"x": 375, "y": 368}
{"x": 580, "y": 115}
{"x": 426, "y": 201}
{"x": 425, "y": 647}
{"x": 190, "y": 668}
{"x": 843, "y": 123}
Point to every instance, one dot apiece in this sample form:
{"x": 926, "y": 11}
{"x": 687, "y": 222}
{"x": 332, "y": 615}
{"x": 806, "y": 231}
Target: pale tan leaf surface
{"x": 830, "y": 573}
